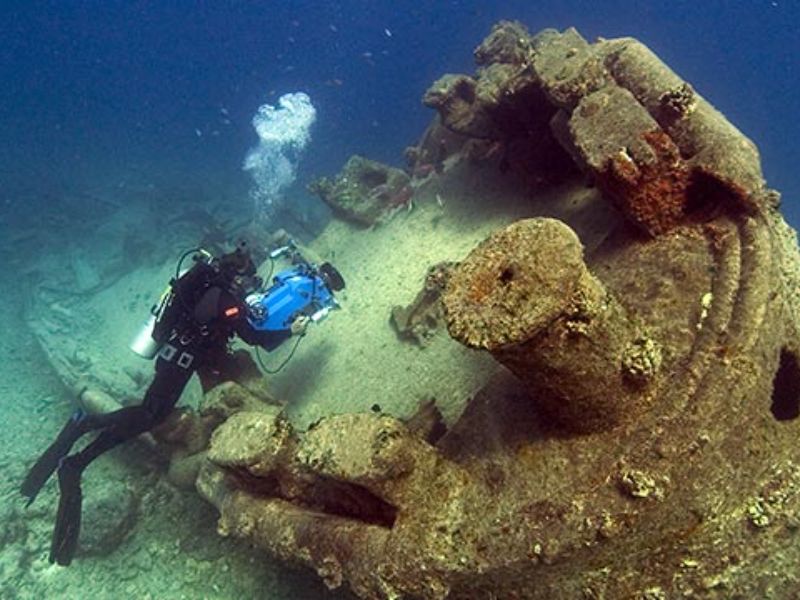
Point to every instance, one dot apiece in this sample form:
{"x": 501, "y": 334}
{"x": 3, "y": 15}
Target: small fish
{"x": 387, "y": 32}
{"x": 366, "y": 55}
{"x": 198, "y": 133}
{"x": 333, "y": 28}
{"x": 439, "y": 201}
{"x": 223, "y": 110}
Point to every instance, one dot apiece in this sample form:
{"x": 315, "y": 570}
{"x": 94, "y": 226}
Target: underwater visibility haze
{"x": 479, "y": 305}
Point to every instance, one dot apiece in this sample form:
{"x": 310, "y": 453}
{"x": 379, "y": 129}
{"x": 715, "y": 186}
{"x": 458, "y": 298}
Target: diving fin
{"x": 48, "y": 462}
{"x": 68, "y": 518}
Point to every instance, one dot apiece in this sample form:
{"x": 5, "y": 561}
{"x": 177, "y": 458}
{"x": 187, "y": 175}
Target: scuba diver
{"x": 189, "y": 331}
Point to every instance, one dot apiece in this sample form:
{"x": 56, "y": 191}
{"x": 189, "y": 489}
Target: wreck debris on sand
{"x": 668, "y": 356}
{"x": 641, "y": 444}
{"x": 365, "y": 191}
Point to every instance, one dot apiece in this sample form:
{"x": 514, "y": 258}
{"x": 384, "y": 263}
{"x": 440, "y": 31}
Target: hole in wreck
{"x": 465, "y": 89}
{"x": 706, "y": 196}
{"x": 325, "y": 495}
{"x": 352, "y": 501}
{"x": 522, "y": 122}
{"x": 786, "y": 387}
{"x": 507, "y": 275}
{"x": 373, "y": 178}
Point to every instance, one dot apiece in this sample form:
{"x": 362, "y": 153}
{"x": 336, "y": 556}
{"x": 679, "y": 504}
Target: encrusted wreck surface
{"x": 526, "y": 295}
{"x": 420, "y": 320}
{"x": 365, "y": 190}
{"x": 654, "y": 145}
{"x": 669, "y": 356}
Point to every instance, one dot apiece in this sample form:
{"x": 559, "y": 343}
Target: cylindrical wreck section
{"x": 526, "y": 295}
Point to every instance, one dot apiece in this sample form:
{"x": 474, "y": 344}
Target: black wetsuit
{"x": 197, "y": 325}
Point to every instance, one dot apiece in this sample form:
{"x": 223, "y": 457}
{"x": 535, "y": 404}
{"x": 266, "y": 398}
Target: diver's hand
{"x": 299, "y": 325}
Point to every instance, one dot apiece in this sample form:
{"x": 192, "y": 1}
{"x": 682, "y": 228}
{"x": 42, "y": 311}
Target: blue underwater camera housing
{"x": 301, "y": 290}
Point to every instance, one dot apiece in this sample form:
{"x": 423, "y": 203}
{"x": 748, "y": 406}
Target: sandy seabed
{"x": 172, "y": 550}
{"x": 347, "y": 363}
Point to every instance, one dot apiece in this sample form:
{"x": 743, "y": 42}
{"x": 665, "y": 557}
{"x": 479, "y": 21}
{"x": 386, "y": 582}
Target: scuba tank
{"x": 147, "y": 342}
{"x": 154, "y": 331}
{"x": 143, "y": 342}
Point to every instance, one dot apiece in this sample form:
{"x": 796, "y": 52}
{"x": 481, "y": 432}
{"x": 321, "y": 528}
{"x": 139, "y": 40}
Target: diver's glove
{"x": 299, "y": 325}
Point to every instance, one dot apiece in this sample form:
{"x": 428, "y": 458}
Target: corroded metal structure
{"x": 650, "y": 450}
{"x": 526, "y": 295}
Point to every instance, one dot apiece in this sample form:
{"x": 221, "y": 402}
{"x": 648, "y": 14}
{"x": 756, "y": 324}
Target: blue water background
{"x": 165, "y": 91}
